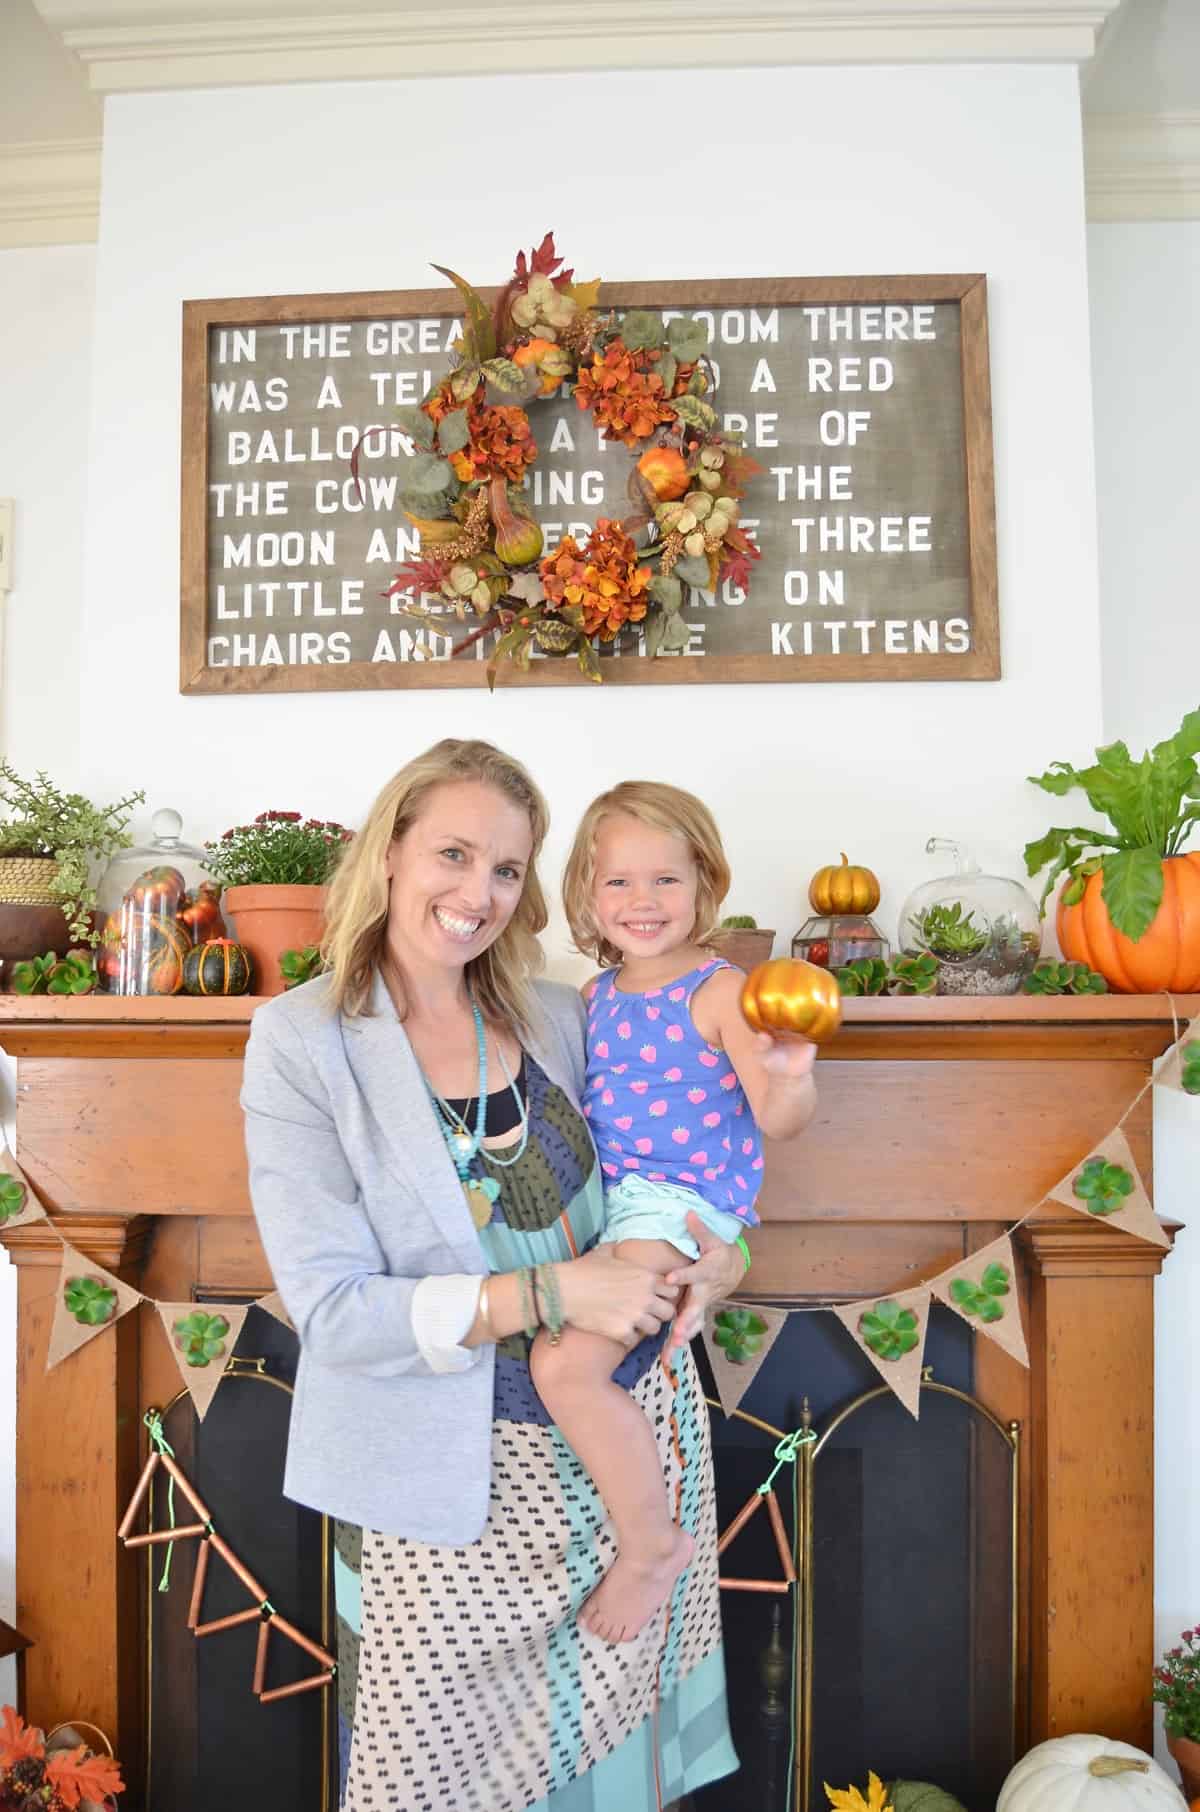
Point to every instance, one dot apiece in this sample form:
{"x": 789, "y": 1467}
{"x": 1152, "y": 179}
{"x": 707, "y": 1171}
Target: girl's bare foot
{"x": 635, "y": 1586}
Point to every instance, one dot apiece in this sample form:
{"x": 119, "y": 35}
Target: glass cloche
{"x": 158, "y": 900}
{"x": 985, "y": 930}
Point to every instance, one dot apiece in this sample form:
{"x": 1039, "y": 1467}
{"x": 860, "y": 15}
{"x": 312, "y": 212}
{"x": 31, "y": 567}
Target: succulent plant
{"x": 90, "y": 1300}
{"x": 33, "y": 976}
{"x": 52, "y": 974}
{"x": 1102, "y": 1186}
{"x": 1064, "y": 978}
{"x": 298, "y": 966}
{"x": 913, "y": 974}
{"x": 950, "y": 930}
{"x": 739, "y": 1334}
{"x": 864, "y": 975}
{"x": 1189, "y": 1072}
{"x": 889, "y": 1330}
{"x": 741, "y": 921}
{"x": 13, "y": 1197}
{"x": 983, "y": 1298}
{"x": 200, "y": 1337}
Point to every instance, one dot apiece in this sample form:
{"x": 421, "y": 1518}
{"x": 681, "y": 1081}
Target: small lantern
{"x": 843, "y": 899}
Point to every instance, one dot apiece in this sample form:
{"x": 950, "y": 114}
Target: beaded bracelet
{"x": 740, "y": 1243}
{"x": 528, "y": 1300}
{"x": 546, "y": 1278}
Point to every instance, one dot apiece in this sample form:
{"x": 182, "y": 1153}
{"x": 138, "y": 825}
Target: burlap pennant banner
{"x": 983, "y": 1290}
{"x": 737, "y": 1338}
{"x": 1180, "y": 1069}
{"x": 18, "y": 1204}
{"x": 88, "y": 1301}
{"x": 273, "y": 1305}
{"x": 1106, "y": 1185}
{"x": 202, "y": 1337}
{"x": 891, "y": 1332}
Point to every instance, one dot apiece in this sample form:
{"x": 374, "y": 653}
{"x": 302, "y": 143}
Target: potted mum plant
{"x": 1131, "y": 904}
{"x": 274, "y": 873}
{"x": 1177, "y": 1690}
{"x": 49, "y": 844}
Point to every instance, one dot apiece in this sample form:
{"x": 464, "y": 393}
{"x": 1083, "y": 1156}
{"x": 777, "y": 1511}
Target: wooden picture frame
{"x": 964, "y": 410}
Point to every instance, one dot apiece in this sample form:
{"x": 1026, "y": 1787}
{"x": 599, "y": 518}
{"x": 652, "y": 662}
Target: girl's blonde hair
{"x": 357, "y": 904}
{"x": 666, "y": 808}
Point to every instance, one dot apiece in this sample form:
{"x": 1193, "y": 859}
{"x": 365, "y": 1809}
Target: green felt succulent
{"x": 201, "y": 1337}
{"x": 1102, "y": 1186}
{"x": 13, "y": 1197}
{"x": 950, "y": 930}
{"x": 739, "y": 1334}
{"x": 983, "y": 1298}
{"x": 889, "y": 1330}
{"x": 913, "y": 974}
{"x": 865, "y": 975}
{"x": 1064, "y": 978}
{"x": 33, "y": 976}
{"x": 90, "y": 1300}
{"x": 1189, "y": 1073}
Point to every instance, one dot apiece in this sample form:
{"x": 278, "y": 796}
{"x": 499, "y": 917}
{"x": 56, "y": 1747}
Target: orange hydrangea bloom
{"x": 626, "y": 399}
{"x": 603, "y": 579}
{"x": 501, "y": 444}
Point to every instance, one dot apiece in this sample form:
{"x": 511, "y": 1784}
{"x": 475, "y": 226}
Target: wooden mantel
{"x": 941, "y": 1123}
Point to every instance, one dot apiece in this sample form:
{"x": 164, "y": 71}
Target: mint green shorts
{"x": 636, "y": 1209}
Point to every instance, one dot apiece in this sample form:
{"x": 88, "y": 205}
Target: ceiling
{"x": 1141, "y": 101}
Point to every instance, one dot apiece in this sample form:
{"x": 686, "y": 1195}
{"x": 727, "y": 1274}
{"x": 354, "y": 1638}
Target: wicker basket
{"x": 28, "y": 881}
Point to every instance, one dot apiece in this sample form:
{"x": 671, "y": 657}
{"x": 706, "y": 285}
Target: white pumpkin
{"x": 1088, "y": 1774}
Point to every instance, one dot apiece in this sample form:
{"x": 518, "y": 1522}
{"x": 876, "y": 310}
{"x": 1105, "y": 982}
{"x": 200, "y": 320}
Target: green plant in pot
{"x": 739, "y": 939}
{"x": 274, "y": 873}
{"x": 50, "y": 844}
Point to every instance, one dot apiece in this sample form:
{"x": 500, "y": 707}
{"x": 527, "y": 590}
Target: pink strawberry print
{"x": 632, "y": 1164}
{"x": 699, "y": 1157}
{"x": 610, "y": 1170}
{"x": 658, "y": 1108}
{"x": 646, "y": 1146}
{"x": 624, "y": 1030}
{"x": 675, "y": 1034}
{"x": 653, "y": 1012}
{"x": 677, "y": 994}
{"x": 685, "y": 1176}
{"x": 640, "y": 1086}
{"x": 673, "y": 1075}
{"x": 607, "y": 1097}
{"x": 712, "y": 1175}
{"x": 648, "y": 1054}
{"x": 601, "y": 1048}
{"x": 587, "y": 1110}
{"x": 696, "y": 1095}
{"x": 729, "y": 1080}
{"x": 682, "y": 1136}
{"x": 623, "y": 1122}
{"x": 709, "y": 1059}
{"x": 712, "y": 1120}
{"x": 741, "y": 1182}
{"x": 747, "y": 1147}
{"x": 656, "y": 1176}
{"x": 757, "y": 1164}
{"x": 619, "y": 1069}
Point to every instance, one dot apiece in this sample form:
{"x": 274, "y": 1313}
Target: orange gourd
{"x": 1167, "y": 955}
{"x": 844, "y": 889}
{"x": 785, "y": 996}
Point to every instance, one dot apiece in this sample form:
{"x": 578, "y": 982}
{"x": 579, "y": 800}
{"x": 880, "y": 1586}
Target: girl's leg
{"x": 616, "y": 1445}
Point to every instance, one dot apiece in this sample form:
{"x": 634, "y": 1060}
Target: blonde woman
{"x": 429, "y": 1196}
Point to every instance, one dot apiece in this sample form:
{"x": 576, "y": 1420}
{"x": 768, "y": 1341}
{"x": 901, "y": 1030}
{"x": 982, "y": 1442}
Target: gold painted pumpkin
{"x": 1166, "y": 956}
{"x": 844, "y": 889}
{"x": 785, "y": 996}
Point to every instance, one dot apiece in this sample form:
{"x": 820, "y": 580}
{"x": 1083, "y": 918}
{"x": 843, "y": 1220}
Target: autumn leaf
{"x": 18, "y": 1740}
{"x": 852, "y": 1800}
{"x": 78, "y": 1777}
{"x": 586, "y": 294}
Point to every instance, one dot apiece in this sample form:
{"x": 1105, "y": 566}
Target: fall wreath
{"x": 483, "y": 558}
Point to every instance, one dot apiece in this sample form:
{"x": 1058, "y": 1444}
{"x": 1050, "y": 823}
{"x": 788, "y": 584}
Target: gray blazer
{"x": 356, "y": 1200}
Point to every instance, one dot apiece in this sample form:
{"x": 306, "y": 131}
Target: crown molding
{"x": 50, "y": 192}
{"x": 1142, "y": 166}
{"x": 129, "y": 45}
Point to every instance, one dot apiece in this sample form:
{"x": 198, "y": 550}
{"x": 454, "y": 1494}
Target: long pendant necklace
{"x": 462, "y": 1143}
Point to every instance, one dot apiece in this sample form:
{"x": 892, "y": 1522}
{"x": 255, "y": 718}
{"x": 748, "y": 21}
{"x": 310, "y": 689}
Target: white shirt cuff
{"x": 443, "y": 1309}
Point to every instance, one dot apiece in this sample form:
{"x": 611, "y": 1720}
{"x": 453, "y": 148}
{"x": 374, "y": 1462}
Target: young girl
{"x": 679, "y": 1090}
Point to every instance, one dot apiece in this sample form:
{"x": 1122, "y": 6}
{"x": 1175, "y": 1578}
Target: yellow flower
{"x": 852, "y": 1800}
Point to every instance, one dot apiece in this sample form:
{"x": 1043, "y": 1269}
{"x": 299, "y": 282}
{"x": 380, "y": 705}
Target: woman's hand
{"x": 603, "y": 1294}
{"x": 716, "y": 1273}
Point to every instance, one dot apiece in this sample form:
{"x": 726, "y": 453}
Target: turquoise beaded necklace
{"x": 462, "y": 1142}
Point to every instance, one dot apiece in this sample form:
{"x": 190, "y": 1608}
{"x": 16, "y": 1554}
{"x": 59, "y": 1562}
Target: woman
{"x": 416, "y": 1146}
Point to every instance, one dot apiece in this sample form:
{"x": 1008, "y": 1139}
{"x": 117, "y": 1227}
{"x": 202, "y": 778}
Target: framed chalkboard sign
{"x": 865, "y": 400}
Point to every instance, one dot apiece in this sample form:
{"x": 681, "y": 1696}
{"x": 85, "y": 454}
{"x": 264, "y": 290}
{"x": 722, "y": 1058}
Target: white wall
{"x": 1145, "y": 302}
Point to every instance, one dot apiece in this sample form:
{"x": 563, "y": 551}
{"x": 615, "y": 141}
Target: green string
{"x": 153, "y": 1422}
{"x": 785, "y": 1455}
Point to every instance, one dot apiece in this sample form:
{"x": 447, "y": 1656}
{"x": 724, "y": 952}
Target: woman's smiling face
{"x": 456, "y": 875}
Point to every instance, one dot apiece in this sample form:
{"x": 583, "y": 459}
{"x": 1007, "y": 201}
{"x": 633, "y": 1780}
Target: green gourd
{"x": 920, "y": 1796}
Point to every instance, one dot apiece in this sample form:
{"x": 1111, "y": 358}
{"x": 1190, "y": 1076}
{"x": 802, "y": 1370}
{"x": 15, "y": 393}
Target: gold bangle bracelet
{"x": 484, "y": 1311}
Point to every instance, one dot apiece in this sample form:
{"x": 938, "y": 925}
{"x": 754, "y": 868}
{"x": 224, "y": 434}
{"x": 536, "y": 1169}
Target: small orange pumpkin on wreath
{"x": 483, "y": 557}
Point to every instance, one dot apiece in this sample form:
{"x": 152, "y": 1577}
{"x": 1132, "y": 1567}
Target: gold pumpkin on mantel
{"x": 845, "y": 889}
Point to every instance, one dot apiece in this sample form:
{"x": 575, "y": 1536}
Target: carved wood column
{"x": 1091, "y": 1449}
{"x": 77, "y": 1464}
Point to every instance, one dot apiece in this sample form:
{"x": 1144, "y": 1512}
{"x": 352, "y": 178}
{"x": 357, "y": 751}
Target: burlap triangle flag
{"x": 983, "y": 1290}
{"x": 1106, "y": 1185}
{"x": 88, "y": 1301}
{"x": 202, "y": 1336}
{"x": 737, "y": 1338}
{"x": 18, "y": 1204}
{"x": 891, "y": 1332}
{"x": 1180, "y": 1068}
{"x": 273, "y": 1305}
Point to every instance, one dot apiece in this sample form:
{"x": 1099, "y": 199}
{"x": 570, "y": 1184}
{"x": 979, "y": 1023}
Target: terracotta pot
{"x": 745, "y": 948}
{"x": 1186, "y": 1756}
{"x": 268, "y": 920}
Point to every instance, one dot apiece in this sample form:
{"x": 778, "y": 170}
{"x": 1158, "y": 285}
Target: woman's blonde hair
{"x": 357, "y": 905}
{"x": 666, "y": 808}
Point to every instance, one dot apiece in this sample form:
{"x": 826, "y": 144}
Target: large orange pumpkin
{"x": 1167, "y": 955}
{"x": 844, "y": 889}
{"x": 786, "y": 996}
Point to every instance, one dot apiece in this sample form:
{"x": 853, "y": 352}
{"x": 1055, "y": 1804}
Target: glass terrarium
{"x": 985, "y": 930}
{"x": 830, "y": 940}
{"x": 158, "y": 900}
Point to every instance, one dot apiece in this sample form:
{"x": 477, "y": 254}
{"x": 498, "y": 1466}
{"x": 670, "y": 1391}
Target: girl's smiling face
{"x": 456, "y": 875}
{"x": 644, "y": 887}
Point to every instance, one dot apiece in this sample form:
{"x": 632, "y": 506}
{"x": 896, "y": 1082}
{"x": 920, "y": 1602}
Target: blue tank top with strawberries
{"x": 662, "y": 1102}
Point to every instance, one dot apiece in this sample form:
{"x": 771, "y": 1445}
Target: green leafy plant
{"x": 201, "y": 1337}
{"x": 33, "y": 976}
{"x": 1189, "y": 1071}
{"x": 278, "y": 849}
{"x": 42, "y": 821}
{"x": 983, "y": 1298}
{"x": 298, "y": 966}
{"x": 90, "y": 1300}
{"x": 889, "y": 1330}
{"x": 913, "y": 974}
{"x": 1147, "y": 805}
{"x": 52, "y": 974}
{"x": 739, "y": 1334}
{"x": 949, "y": 930}
{"x": 864, "y": 975}
{"x": 1102, "y": 1186}
{"x": 1064, "y": 978}
{"x": 1177, "y": 1687}
{"x": 13, "y": 1197}
{"x": 740, "y": 921}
